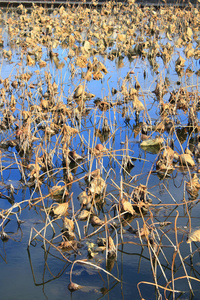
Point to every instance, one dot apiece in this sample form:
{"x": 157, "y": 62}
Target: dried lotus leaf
{"x": 42, "y": 64}
{"x": 102, "y": 68}
{"x": 126, "y": 206}
{"x": 30, "y": 61}
{"x": 179, "y": 43}
{"x": 69, "y": 130}
{"x": 97, "y": 185}
{"x": 71, "y": 40}
{"x": 78, "y": 92}
{"x": 121, "y": 37}
{"x": 180, "y": 61}
{"x": 96, "y": 221}
{"x": 68, "y": 224}
{"x": 57, "y": 190}
{"x": 194, "y": 236}
{"x": 97, "y": 75}
{"x": 193, "y": 186}
{"x": 74, "y": 287}
{"x": 44, "y": 104}
{"x": 111, "y": 248}
{"x": 61, "y": 209}
{"x": 84, "y": 214}
{"x": 189, "y": 32}
{"x": 88, "y": 75}
{"x": 81, "y": 62}
{"x": 189, "y": 53}
{"x": 137, "y": 104}
{"x": 152, "y": 142}
{"x": 87, "y": 46}
{"x": 186, "y": 159}
{"x": 83, "y": 198}
{"x": 68, "y": 245}
{"x": 12, "y": 102}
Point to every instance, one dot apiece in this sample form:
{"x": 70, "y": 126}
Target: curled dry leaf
{"x": 111, "y": 248}
{"x": 78, "y": 92}
{"x": 95, "y": 221}
{"x": 68, "y": 245}
{"x": 180, "y": 62}
{"x": 142, "y": 232}
{"x": 58, "y": 190}
{"x": 84, "y": 214}
{"x": 186, "y": 159}
{"x": 61, "y": 209}
{"x": 101, "y": 241}
{"x": 152, "y": 142}
{"x": 169, "y": 154}
{"x": 83, "y": 198}
{"x": 126, "y": 206}
{"x": 193, "y": 185}
{"x": 42, "y": 64}
{"x": 137, "y": 104}
{"x": 127, "y": 162}
{"x": 193, "y": 236}
{"x": 97, "y": 185}
{"x": 74, "y": 287}
{"x": 68, "y": 224}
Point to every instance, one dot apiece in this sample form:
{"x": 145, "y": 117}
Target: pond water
{"x": 82, "y": 89}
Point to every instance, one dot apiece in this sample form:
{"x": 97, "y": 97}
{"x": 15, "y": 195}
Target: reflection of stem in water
{"x": 4, "y": 258}
{"x": 50, "y": 280}
{"x": 122, "y": 271}
{"x": 140, "y": 258}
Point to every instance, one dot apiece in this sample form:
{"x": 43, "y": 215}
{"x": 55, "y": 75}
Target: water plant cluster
{"x": 99, "y": 115}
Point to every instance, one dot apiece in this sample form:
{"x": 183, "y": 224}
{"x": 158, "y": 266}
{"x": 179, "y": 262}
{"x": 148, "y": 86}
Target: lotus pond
{"x": 100, "y": 152}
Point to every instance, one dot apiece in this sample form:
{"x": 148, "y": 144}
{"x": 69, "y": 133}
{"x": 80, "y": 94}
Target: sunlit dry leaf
{"x": 88, "y": 75}
{"x": 84, "y": 214}
{"x": 12, "y": 102}
{"x": 86, "y": 46}
{"x": 137, "y": 104}
{"x": 121, "y": 37}
{"x": 68, "y": 224}
{"x": 78, "y": 92}
{"x": 102, "y": 68}
{"x": 60, "y": 210}
{"x": 142, "y": 232}
{"x": 111, "y": 248}
{"x": 193, "y": 185}
{"x": 44, "y": 104}
{"x": 81, "y": 62}
{"x": 7, "y": 54}
{"x": 186, "y": 159}
{"x": 189, "y": 32}
{"x": 97, "y": 75}
{"x": 83, "y": 198}
{"x": 152, "y": 142}
{"x": 14, "y": 84}
{"x": 180, "y": 61}
{"x": 71, "y": 40}
{"x": 30, "y": 61}
{"x": 126, "y": 206}
{"x": 42, "y": 63}
{"x": 193, "y": 236}
{"x": 97, "y": 185}
{"x": 58, "y": 190}
{"x": 68, "y": 245}
{"x": 91, "y": 250}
